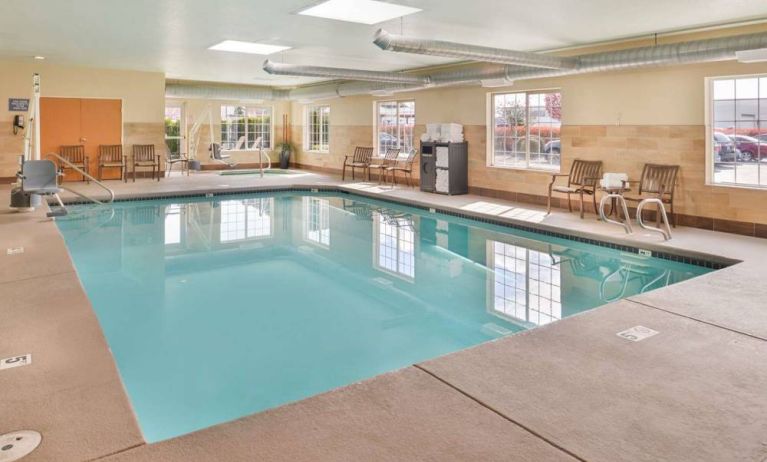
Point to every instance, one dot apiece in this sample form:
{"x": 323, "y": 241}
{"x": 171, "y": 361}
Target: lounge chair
{"x": 111, "y": 156}
{"x": 657, "y": 181}
{"x": 144, "y": 156}
{"x": 382, "y": 163}
{"x": 582, "y": 180}
{"x": 405, "y": 166}
{"x": 360, "y": 159}
{"x": 41, "y": 177}
{"x": 75, "y": 155}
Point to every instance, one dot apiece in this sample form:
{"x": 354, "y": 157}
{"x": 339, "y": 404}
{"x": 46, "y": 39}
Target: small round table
{"x": 614, "y": 210}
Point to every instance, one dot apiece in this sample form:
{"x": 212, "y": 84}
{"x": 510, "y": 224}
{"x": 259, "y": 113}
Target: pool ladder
{"x": 665, "y": 231}
{"x": 86, "y": 175}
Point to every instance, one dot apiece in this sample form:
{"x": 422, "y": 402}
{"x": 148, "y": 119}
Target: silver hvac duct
{"x": 391, "y": 42}
{"x": 224, "y": 92}
{"x": 699, "y": 51}
{"x": 336, "y": 90}
{"x": 340, "y": 73}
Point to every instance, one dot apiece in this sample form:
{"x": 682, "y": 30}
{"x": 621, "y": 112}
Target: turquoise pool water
{"x": 215, "y": 308}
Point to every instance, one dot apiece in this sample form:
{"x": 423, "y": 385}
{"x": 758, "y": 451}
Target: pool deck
{"x": 571, "y": 390}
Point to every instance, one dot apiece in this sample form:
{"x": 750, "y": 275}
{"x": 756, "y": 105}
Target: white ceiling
{"x": 173, "y": 35}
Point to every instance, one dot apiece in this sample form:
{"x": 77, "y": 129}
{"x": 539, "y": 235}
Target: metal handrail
{"x": 626, "y": 224}
{"x": 87, "y": 175}
{"x": 662, "y": 210}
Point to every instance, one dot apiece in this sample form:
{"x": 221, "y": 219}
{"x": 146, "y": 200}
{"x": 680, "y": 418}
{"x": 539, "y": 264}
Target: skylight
{"x": 361, "y": 11}
{"x": 248, "y": 47}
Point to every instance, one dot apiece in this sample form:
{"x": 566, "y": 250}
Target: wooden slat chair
{"x": 582, "y": 180}
{"x": 657, "y": 181}
{"x": 381, "y": 164}
{"x": 111, "y": 156}
{"x": 405, "y": 166}
{"x": 144, "y": 156}
{"x": 360, "y": 159}
{"x": 75, "y": 154}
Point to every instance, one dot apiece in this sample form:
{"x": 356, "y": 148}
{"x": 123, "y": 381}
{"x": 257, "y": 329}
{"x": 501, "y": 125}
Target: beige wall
{"x": 142, "y": 94}
{"x": 351, "y": 124}
{"x": 624, "y": 118}
{"x": 194, "y": 108}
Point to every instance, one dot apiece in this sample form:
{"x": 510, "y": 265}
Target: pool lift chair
{"x": 217, "y": 154}
{"x": 37, "y": 177}
{"x": 40, "y": 177}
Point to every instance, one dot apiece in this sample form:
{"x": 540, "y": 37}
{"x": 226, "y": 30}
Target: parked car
{"x": 553, "y": 147}
{"x": 750, "y": 148}
{"x": 725, "y": 149}
{"x": 387, "y": 138}
{"x": 762, "y": 137}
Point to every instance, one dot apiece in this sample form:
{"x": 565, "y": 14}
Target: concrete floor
{"x": 572, "y": 390}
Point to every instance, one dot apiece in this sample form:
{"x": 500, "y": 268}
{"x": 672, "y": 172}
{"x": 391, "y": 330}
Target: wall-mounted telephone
{"x": 18, "y": 123}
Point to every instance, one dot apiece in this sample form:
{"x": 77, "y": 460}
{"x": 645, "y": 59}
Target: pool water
{"x": 215, "y": 308}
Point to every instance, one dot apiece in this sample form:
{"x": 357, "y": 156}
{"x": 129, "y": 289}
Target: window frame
{"x": 490, "y": 124}
{"x": 247, "y": 109}
{"x": 710, "y": 164}
{"x": 376, "y": 105}
{"x": 308, "y": 129}
{"x": 181, "y": 138}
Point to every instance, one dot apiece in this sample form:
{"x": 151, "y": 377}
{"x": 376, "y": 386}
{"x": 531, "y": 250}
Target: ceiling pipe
{"x": 340, "y": 73}
{"x": 400, "y": 43}
{"x": 699, "y": 51}
{"x": 224, "y": 92}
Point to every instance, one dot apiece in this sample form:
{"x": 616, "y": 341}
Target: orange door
{"x": 101, "y": 123}
{"x": 71, "y": 121}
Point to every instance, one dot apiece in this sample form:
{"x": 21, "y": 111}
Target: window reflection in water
{"x": 246, "y": 219}
{"x": 524, "y": 284}
{"x": 173, "y": 224}
{"x": 317, "y": 220}
{"x": 394, "y": 244}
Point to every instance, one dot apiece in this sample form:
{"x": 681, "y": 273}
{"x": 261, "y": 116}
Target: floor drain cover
{"x": 15, "y": 445}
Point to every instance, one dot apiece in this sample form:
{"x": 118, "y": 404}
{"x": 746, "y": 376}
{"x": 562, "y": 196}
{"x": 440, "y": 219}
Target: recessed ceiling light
{"x": 248, "y": 47}
{"x": 362, "y": 11}
{"x": 39, "y": 58}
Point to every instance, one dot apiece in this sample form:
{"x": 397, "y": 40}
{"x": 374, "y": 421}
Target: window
{"x": 394, "y": 125}
{"x": 317, "y": 129}
{"x": 526, "y": 130}
{"x": 173, "y": 128}
{"x": 394, "y": 244}
{"x": 525, "y": 285}
{"x": 738, "y": 144}
{"x": 317, "y": 220}
{"x": 241, "y": 126}
{"x": 246, "y": 219}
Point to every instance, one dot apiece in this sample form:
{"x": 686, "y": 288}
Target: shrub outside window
{"x": 526, "y": 127}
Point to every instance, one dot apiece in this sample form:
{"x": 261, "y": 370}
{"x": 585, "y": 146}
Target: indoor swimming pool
{"x": 219, "y": 307}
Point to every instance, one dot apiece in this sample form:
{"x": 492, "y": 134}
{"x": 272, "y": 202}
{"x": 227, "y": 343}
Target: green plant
{"x": 284, "y": 146}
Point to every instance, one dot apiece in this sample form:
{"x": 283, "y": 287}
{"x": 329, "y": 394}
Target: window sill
{"x": 754, "y": 187}
{"x": 547, "y": 171}
{"x": 310, "y": 151}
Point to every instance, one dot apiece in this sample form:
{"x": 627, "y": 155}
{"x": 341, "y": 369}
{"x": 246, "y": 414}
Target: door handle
{"x": 83, "y": 140}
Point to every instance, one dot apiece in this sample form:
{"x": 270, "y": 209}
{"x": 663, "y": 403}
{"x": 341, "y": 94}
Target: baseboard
{"x": 238, "y": 166}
